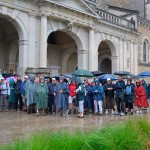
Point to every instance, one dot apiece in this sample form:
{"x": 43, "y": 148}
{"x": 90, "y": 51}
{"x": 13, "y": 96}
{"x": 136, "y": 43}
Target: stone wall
{"x": 129, "y": 4}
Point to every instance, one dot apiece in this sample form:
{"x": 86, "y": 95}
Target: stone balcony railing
{"x": 111, "y": 18}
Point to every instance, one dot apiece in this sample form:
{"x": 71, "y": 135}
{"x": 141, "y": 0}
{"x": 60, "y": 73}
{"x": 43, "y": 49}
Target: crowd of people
{"x": 36, "y": 94}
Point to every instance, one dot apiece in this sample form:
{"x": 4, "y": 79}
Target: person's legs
{"x": 112, "y": 105}
{"x": 16, "y": 102}
{"x": 1, "y": 102}
{"x": 50, "y": 104}
{"x": 131, "y": 108}
{"x": 6, "y": 102}
{"x": 100, "y": 107}
{"x": 20, "y": 101}
{"x": 81, "y": 108}
{"x": 122, "y": 103}
{"x": 95, "y": 106}
{"x": 126, "y": 107}
{"x": 70, "y": 100}
{"x": 107, "y": 104}
{"x": 118, "y": 103}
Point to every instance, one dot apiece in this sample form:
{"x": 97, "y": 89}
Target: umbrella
{"x": 97, "y": 73}
{"x": 145, "y": 74}
{"x": 83, "y": 73}
{"x": 137, "y": 77}
{"x": 106, "y": 76}
{"x": 68, "y": 75}
{"x": 123, "y": 73}
{"x": 9, "y": 78}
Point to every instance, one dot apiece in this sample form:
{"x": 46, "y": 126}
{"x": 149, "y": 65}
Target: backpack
{"x": 128, "y": 90}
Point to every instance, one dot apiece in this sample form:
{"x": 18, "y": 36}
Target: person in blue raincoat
{"x": 30, "y": 90}
{"x": 61, "y": 92}
{"x": 88, "y": 97}
{"x": 97, "y": 96}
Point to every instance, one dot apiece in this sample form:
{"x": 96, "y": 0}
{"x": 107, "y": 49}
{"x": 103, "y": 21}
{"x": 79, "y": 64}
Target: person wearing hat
{"x": 22, "y": 91}
{"x": 30, "y": 94}
{"x": 109, "y": 95}
{"x": 5, "y": 92}
{"x": 51, "y": 98}
{"x": 97, "y": 96}
{"x": 120, "y": 93}
{"x": 62, "y": 93}
{"x": 42, "y": 96}
{"x": 140, "y": 97}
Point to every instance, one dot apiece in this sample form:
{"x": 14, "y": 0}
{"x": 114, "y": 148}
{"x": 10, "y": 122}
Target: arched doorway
{"x": 61, "y": 54}
{"x": 105, "y": 66}
{"x": 107, "y": 58}
{"x": 9, "y": 46}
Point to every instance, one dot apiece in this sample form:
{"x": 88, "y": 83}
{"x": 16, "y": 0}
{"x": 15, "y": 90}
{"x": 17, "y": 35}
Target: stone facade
{"x": 58, "y": 36}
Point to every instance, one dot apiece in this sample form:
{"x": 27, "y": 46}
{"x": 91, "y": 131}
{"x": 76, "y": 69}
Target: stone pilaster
{"x": 43, "y": 42}
{"x": 92, "y": 50}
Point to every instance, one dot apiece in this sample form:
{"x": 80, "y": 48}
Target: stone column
{"x": 135, "y": 58}
{"x": 82, "y": 59}
{"x": 32, "y": 42}
{"x": 43, "y": 42}
{"x": 125, "y": 56}
{"x": 149, "y": 53}
{"x": 23, "y": 57}
{"x": 132, "y": 58}
{"x": 121, "y": 50}
{"x": 91, "y": 50}
{"x": 115, "y": 63}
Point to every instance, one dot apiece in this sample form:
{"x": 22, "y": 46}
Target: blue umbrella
{"x": 68, "y": 75}
{"x": 137, "y": 77}
{"x": 123, "y": 73}
{"x": 104, "y": 77}
{"x": 145, "y": 74}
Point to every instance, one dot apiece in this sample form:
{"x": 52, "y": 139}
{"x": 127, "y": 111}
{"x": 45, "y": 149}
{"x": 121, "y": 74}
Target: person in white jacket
{"x": 4, "y": 93}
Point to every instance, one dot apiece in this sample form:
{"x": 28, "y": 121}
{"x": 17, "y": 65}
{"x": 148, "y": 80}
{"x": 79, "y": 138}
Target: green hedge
{"x": 132, "y": 135}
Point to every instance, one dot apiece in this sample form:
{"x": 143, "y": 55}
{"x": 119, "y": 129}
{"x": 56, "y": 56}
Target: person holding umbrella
{"x": 109, "y": 94}
{"x": 97, "y": 96}
{"x": 120, "y": 91}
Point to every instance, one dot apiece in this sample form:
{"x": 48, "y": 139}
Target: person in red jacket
{"x": 140, "y": 97}
{"x": 72, "y": 97}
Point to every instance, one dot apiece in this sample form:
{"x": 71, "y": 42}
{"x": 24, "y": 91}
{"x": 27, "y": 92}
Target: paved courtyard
{"x": 14, "y": 125}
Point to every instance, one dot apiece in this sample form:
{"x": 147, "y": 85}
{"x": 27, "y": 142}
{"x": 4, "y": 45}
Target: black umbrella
{"x": 97, "y": 73}
{"x": 123, "y": 73}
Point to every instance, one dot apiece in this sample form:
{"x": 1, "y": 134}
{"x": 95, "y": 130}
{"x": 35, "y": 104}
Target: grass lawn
{"x": 132, "y": 135}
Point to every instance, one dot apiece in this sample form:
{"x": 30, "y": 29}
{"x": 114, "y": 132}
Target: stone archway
{"x": 108, "y": 58}
{"x": 13, "y": 29}
{"x": 61, "y": 53}
{"x": 105, "y": 66}
{"x": 9, "y": 45}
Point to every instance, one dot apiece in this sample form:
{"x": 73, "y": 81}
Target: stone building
{"x": 58, "y": 36}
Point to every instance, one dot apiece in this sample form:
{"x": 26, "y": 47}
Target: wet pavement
{"x": 15, "y": 125}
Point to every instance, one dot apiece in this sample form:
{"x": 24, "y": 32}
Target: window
{"x": 144, "y": 52}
